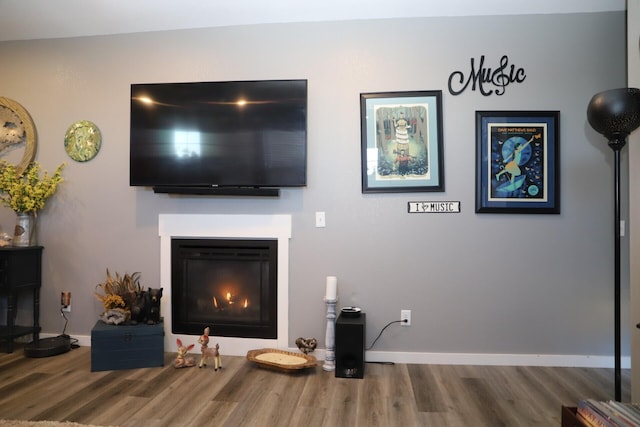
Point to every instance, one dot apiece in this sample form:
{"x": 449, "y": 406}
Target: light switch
{"x": 320, "y": 220}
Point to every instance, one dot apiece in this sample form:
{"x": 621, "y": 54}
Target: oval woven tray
{"x": 303, "y": 360}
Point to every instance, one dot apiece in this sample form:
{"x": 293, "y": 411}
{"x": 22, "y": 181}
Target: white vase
{"x": 25, "y": 231}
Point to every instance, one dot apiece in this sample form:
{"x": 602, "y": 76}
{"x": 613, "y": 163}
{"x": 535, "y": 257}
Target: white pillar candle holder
{"x": 330, "y": 336}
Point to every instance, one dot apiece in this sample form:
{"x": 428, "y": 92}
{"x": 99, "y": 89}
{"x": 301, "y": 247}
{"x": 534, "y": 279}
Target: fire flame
{"x": 229, "y": 301}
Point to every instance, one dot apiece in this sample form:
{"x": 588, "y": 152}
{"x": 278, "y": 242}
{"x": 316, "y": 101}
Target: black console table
{"x": 20, "y": 271}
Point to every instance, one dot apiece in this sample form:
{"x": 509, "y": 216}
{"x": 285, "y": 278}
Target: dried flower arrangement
{"x": 118, "y": 295}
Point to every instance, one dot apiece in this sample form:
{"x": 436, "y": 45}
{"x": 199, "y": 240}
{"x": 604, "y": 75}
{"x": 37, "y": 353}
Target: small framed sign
{"x": 434, "y": 207}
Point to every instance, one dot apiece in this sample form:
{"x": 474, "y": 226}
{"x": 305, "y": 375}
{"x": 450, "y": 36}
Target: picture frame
{"x": 401, "y": 142}
{"x": 518, "y": 162}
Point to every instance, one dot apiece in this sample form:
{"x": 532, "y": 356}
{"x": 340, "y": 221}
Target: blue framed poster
{"x": 517, "y": 162}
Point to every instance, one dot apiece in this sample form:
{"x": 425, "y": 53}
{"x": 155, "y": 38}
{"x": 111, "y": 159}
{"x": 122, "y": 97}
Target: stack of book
{"x": 608, "y": 414}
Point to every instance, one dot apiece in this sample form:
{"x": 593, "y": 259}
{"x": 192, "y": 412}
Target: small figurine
{"x": 153, "y": 301}
{"x": 182, "y": 360}
{"x": 209, "y": 352}
{"x": 306, "y": 345}
{"x": 5, "y": 239}
{"x": 138, "y": 312}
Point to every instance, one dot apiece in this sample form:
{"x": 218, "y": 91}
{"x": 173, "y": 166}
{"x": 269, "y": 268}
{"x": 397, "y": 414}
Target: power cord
{"x": 65, "y": 320}
{"x": 380, "y": 334}
{"x": 73, "y": 341}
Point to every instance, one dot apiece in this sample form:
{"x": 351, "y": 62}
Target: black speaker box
{"x": 350, "y": 336}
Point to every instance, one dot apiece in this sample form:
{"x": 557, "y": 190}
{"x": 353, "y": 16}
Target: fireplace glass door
{"x": 227, "y": 285}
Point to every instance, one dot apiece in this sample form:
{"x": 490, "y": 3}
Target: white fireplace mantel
{"x": 226, "y": 227}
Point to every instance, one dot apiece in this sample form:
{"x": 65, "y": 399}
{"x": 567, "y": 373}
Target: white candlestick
{"x": 332, "y": 288}
{"x": 330, "y": 336}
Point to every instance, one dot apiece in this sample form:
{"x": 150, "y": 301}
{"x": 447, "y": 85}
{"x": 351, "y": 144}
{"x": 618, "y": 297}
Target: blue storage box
{"x": 115, "y": 347}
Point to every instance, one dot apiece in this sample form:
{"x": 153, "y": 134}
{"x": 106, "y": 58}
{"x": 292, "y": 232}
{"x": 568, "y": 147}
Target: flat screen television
{"x": 218, "y": 137}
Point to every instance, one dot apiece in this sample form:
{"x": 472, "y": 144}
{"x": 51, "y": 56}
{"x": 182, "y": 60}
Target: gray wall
{"x": 532, "y": 284}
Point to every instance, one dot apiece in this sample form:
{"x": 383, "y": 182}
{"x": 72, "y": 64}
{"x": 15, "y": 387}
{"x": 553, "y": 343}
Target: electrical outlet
{"x": 66, "y": 308}
{"x": 405, "y": 317}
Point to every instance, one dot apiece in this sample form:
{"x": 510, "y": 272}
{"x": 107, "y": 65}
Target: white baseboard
{"x": 559, "y": 360}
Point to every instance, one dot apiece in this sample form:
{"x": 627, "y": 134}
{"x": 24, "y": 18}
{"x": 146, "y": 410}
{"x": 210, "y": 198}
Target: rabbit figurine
{"x": 182, "y": 360}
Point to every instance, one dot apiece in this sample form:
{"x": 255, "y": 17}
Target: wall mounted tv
{"x": 233, "y": 138}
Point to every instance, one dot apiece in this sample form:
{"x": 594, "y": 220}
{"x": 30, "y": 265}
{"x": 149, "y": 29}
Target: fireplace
{"x": 229, "y": 285}
{"x": 228, "y": 227}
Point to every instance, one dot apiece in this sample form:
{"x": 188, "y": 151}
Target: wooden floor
{"x": 63, "y": 388}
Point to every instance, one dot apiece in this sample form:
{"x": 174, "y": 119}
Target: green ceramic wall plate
{"x": 82, "y": 141}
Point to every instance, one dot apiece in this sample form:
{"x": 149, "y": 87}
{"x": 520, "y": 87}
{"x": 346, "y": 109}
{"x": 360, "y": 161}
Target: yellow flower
{"x": 27, "y": 192}
{"x": 113, "y": 301}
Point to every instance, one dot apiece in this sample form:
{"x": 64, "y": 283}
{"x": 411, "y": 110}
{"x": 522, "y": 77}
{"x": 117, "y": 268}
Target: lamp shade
{"x": 615, "y": 113}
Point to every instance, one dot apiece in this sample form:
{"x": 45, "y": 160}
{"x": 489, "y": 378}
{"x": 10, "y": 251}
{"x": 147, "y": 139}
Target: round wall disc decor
{"x": 82, "y": 141}
{"x": 17, "y": 131}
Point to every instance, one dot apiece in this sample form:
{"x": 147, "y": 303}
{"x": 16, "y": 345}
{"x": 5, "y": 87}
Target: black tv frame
{"x": 205, "y": 189}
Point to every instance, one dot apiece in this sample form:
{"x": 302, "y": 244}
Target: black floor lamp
{"x": 615, "y": 114}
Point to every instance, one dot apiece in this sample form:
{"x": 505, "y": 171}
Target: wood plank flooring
{"x": 63, "y": 388}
